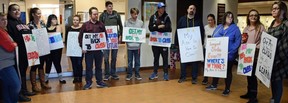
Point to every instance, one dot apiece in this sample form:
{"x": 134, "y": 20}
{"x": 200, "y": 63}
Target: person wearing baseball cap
{"x": 160, "y": 22}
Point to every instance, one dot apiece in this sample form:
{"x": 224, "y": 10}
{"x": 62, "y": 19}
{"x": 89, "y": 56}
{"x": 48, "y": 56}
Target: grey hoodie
{"x": 137, "y": 24}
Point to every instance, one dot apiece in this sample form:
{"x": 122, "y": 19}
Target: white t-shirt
{"x": 208, "y": 32}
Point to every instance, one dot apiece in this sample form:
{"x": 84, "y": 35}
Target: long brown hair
{"x": 258, "y": 22}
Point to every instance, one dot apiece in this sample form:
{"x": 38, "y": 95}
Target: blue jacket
{"x": 235, "y": 38}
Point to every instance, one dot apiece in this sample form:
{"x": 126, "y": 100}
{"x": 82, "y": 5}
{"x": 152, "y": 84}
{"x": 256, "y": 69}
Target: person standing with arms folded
{"x": 10, "y": 82}
{"x": 227, "y": 29}
{"x": 93, "y": 26}
{"x": 110, "y": 17}
{"x": 55, "y": 55}
{"x": 16, "y": 29}
{"x": 209, "y": 29}
{"x": 76, "y": 61}
{"x": 186, "y": 21}
{"x": 160, "y": 22}
{"x": 133, "y": 47}
{"x": 279, "y": 30}
{"x": 36, "y": 23}
{"x": 254, "y": 31}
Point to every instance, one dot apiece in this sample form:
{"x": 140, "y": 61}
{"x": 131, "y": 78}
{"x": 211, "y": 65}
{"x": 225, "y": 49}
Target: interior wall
{"x": 6, "y": 4}
{"x": 210, "y": 7}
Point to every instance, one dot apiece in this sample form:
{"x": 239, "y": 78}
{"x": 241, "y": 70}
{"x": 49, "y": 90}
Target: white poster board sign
{"x": 246, "y": 59}
{"x": 131, "y": 34}
{"x": 42, "y": 41}
{"x": 31, "y": 49}
{"x": 55, "y": 41}
{"x": 73, "y": 48}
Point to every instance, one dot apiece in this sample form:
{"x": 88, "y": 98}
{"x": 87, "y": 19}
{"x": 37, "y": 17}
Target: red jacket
{"x": 6, "y": 42}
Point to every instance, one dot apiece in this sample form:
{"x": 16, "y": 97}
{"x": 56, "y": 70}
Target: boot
{"x": 33, "y": 82}
{"x": 42, "y": 79}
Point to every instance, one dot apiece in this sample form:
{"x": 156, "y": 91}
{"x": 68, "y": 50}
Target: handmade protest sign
{"x": 112, "y": 37}
{"x": 160, "y": 39}
{"x": 55, "y": 41}
{"x": 31, "y": 49}
{"x": 42, "y": 41}
{"x": 190, "y": 44}
{"x": 246, "y": 59}
{"x": 266, "y": 56}
{"x": 131, "y": 34}
{"x": 94, "y": 41}
{"x": 73, "y": 48}
{"x": 216, "y": 58}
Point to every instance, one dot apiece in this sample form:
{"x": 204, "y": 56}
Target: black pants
{"x": 156, "y": 53}
{"x": 277, "y": 90}
{"x": 43, "y": 59}
{"x": 228, "y": 79}
{"x": 77, "y": 66}
{"x": 90, "y": 58}
{"x": 252, "y": 82}
{"x": 55, "y": 58}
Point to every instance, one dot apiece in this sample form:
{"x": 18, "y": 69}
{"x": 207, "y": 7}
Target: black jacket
{"x": 16, "y": 29}
{"x": 182, "y": 23}
{"x": 155, "y": 20}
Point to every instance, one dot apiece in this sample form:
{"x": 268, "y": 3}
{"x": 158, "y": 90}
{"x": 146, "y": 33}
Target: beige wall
{"x": 80, "y": 5}
{"x": 6, "y": 3}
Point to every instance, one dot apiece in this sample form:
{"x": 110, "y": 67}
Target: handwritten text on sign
{"x": 112, "y": 34}
{"x": 94, "y": 41}
{"x": 55, "y": 41}
{"x": 160, "y": 39}
{"x": 190, "y": 44}
{"x": 42, "y": 41}
{"x": 246, "y": 59}
{"x": 131, "y": 34}
{"x": 32, "y": 49}
{"x": 216, "y": 57}
{"x": 73, "y": 48}
{"x": 266, "y": 58}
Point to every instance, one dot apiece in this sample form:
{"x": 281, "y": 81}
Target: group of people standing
{"x": 11, "y": 35}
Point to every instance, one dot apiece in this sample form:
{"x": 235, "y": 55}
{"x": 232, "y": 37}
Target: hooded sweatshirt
{"x": 156, "y": 20}
{"x": 235, "y": 38}
{"x": 113, "y": 19}
{"x": 137, "y": 24}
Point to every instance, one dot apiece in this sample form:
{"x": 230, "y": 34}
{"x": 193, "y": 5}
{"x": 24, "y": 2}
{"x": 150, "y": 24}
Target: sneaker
{"x": 194, "y": 81}
{"x": 138, "y": 77}
{"x": 204, "y": 82}
{"x": 106, "y": 78}
{"x": 87, "y": 86}
{"x": 245, "y": 96}
{"x": 211, "y": 87}
{"x": 102, "y": 85}
{"x": 153, "y": 76}
{"x": 128, "y": 77}
{"x": 23, "y": 98}
{"x": 62, "y": 81}
{"x": 254, "y": 100}
{"x": 226, "y": 92}
{"x": 115, "y": 77}
{"x": 181, "y": 80}
{"x": 166, "y": 76}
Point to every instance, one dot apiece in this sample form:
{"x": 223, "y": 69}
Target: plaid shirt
{"x": 32, "y": 25}
{"x": 280, "y": 66}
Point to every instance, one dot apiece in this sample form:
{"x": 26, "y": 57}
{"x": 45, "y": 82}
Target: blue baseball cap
{"x": 161, "y": 4}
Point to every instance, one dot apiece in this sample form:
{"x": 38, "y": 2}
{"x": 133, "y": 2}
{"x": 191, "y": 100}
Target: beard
{"x": 191, "y": 13}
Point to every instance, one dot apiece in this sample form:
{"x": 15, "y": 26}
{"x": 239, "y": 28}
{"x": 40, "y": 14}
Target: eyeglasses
{"x": 253, "y": 15}
{"x": 275, "y": 9}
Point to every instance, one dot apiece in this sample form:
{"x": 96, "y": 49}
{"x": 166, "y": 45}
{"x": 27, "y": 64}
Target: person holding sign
{"x": 254, "y": 30}
{"x": 209, "y": 29}
{"x": 160, "y": 22}
{"x": 110, "y": 17}
{"x": 55, "y": 55}
{"x": 8, "y": 75}
{"x": 36, "y": 23}
{"x": 186, "y": 21}
{"x": 93, "y": 26}
{"x": 279, "y": 29}
{"x": 227, "y": 29}
{"x": 16, "y": 29}
{"x": 76, "y": 61}
{"x": 133, "y": 47}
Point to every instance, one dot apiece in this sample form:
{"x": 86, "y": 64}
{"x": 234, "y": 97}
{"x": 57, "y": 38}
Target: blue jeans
{"x": 194, "y": 70}
{"x": 277, "y": 90}
{"x": 136, "y": 55}
{"x": 110, "y": 71}
{"x": 90, "y": 57}
{"x": 77, "y": 66}
{"x": 10, "y": 84}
